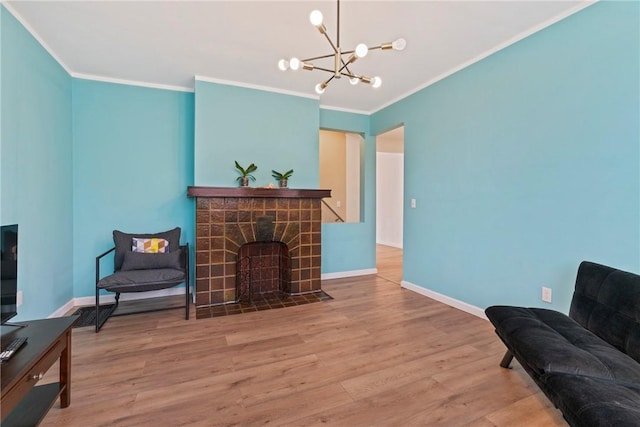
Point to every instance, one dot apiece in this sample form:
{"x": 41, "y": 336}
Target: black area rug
{"x": 88, "y": 315}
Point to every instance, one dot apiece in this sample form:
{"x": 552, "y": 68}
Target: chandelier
{"x": 341, "y": 67}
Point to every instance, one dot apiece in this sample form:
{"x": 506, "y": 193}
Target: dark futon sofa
{"x": 587, "y": 363}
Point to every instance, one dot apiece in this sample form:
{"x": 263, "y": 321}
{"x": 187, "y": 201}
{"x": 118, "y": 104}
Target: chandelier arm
{"x": 350, "y": 75}
{"x": 378, "y": 47}
{"x": 347, "y": 74}
{"x": 330, "y": 55}
{"x": 335, "y": 49}
{"x": 345, "y": 66}
{"x": 325, "y": 69}
{"x": 329, "y": 79}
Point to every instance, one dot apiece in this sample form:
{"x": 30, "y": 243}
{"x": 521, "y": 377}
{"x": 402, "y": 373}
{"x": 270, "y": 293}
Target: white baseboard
{"x": 452, "y": 302}
{"x": 64, "y": 309}
{"x": 352, "y": 273}
{"x": 110, "y": 298}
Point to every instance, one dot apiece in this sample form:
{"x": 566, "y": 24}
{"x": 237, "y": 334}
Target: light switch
{"x": 413, "y": 203}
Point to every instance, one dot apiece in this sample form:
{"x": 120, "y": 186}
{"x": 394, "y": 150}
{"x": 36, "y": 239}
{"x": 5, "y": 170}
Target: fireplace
{"x": 263, "y": 268}
{"x": 262, "y": 221}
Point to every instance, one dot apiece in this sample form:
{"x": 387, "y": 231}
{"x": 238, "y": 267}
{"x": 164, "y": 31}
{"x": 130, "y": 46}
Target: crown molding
{"x": 36, "y": 36}
{"x": 256, "y": 87}
{"x": 131, "y": 82}
{"x": 345, "y": 110}
{"x": 499, "y": 47}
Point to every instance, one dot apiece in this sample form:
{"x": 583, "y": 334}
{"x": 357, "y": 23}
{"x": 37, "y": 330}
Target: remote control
{"x": 12, "y": 348}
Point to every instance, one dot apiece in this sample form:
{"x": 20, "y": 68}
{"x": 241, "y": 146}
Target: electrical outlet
{"x": 413, "y": 203}
{"x": 338, "y": 204}
{"x": 546, "y": 294}
{"x": 19, "y": 298}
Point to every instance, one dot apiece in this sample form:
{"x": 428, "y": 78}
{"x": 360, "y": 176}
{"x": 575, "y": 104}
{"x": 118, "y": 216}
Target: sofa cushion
{"x": 586, "y": 401}
{"x": 549, "y": 341}
{"x": 607, "y": 302}
{"x": 142, "y": 280}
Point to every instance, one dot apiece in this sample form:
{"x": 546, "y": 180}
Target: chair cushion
{"x": 142, "y": 280}
{"x": 123, "y": 242}
{"x": 144, "y": 261}
{"x": 549, "y": 341}
{"x": 586, "y": 401}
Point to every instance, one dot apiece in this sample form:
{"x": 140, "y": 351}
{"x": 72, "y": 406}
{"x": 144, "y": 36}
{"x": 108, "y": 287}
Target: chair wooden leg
{"x": 506, "y": 360}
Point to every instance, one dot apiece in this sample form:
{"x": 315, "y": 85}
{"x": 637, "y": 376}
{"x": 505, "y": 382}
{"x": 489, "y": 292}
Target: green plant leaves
{"x": 246, "y": 172}
{"x": 279, "y": 176}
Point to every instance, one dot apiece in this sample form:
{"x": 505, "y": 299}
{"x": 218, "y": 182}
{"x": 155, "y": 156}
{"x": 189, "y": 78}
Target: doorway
{"x": 341, "y": 156}
{"x": 390, "y": 203}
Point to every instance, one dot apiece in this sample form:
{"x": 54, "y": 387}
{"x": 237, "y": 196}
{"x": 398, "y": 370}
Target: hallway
{"x": 389, "y": 263}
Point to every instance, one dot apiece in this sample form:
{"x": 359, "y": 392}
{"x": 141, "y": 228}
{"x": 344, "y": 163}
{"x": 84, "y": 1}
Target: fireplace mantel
{"x": 257, "y": 192}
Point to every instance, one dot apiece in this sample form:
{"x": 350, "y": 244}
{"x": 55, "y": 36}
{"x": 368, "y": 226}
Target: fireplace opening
{"x": 263, "y": 269}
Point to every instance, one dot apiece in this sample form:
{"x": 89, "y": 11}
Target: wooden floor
{"x": 389, "y": 263}
{"x": 375, "y": 355}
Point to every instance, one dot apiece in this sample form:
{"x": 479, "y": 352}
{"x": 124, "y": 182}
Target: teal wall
{"x": 132, "y": 162}
{"x": 280, "y": 132}
{"x": 352, "y": 246}
{"x": 36, "y": 167}
{"x": 526, "y": 163}
{"x": 272, "y": 130}
{"x": 523, "y": 164}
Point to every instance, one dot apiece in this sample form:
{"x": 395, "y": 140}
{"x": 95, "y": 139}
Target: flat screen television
{"x": 8, "y": 271}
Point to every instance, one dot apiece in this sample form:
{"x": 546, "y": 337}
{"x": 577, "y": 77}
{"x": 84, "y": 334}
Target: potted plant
{"x": 282, "y": 177}
{"x": 245, "y": 174}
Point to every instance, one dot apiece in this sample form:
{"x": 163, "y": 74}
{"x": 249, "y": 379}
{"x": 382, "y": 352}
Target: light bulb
{"x": 320, "y": 87}
{"x": 294, "y": 64}
{"x": 399, "y": 44}
{"x": 283, "y": 64}
{"x": 376, "y": 82}
{"x": 354, "y": 80}
{"x": 361, "y": 50}
{"x": 315, "y": 18}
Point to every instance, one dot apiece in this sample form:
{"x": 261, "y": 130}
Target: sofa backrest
{"x": 607, "y": 302}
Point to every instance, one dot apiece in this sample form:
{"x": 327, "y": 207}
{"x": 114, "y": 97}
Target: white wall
{"x": 333, "y": 172}
{"x": 389, "y": 200}
{"x": 353, "y": 142}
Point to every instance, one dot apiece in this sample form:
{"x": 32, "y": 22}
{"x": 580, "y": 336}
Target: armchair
{"x": 142, "y": 263}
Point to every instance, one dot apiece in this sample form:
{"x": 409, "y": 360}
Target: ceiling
{"x": 168, "y": 43}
